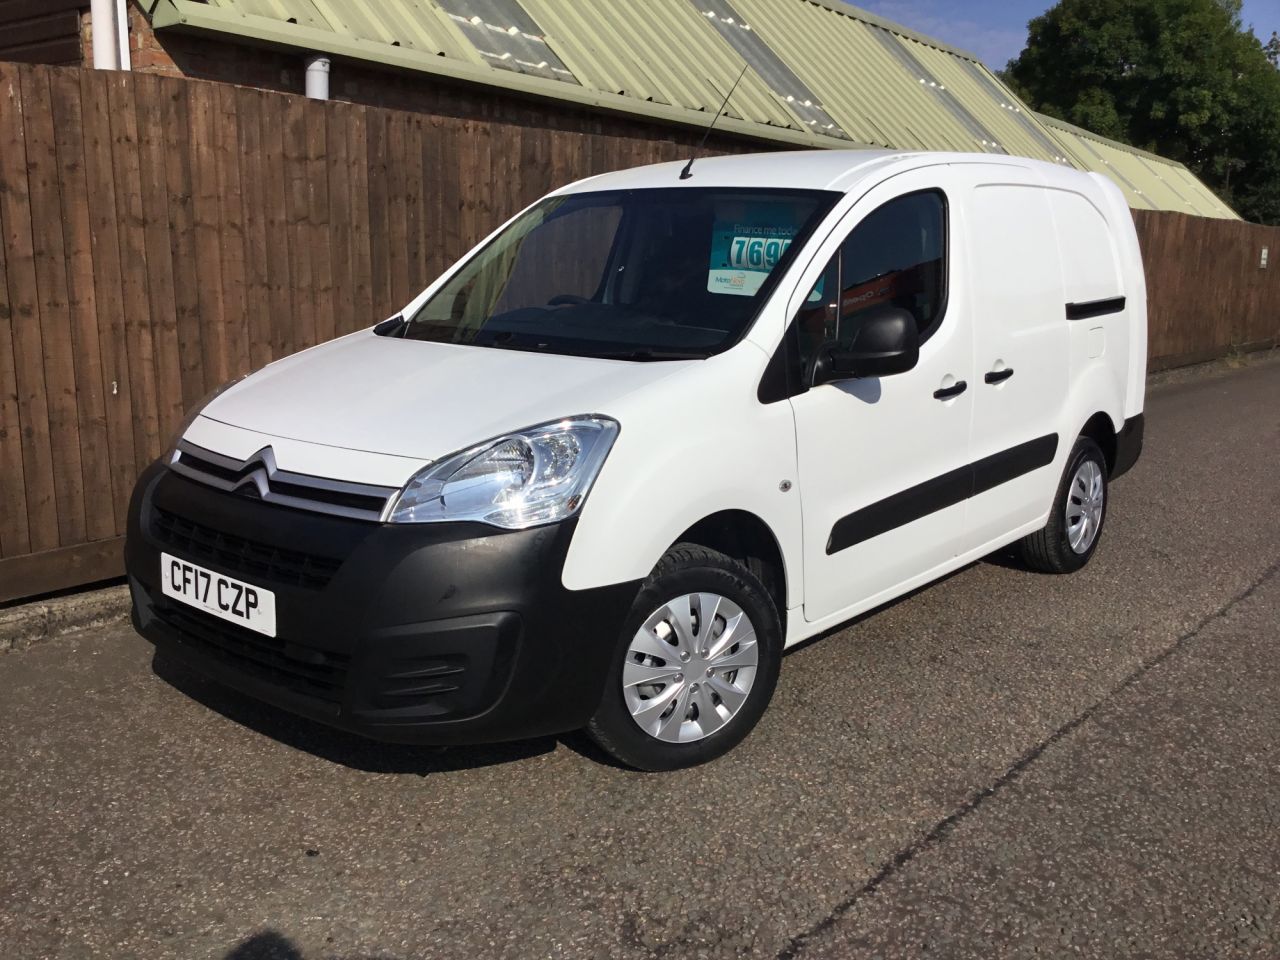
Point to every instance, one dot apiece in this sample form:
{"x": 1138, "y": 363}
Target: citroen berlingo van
{"x": 648, "y": 434}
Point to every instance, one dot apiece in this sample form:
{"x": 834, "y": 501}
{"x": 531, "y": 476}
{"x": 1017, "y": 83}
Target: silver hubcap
{"x": 690, "y": 667}
{"x": 1084, "y": 506}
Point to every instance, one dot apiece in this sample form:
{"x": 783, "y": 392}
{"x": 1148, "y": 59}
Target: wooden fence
{"x": 160, "y": 236}
{"x": 1208, "y": 292}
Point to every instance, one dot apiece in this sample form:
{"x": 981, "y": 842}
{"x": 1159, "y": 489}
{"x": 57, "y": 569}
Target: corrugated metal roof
{"x": 1149, "y": 181}
{"x": 412, "y": 25}
{"x": 819, "y": 74}
{"x": 861, "y": 84}
{"x": 658, "y": 51}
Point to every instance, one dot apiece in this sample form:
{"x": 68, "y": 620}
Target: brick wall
{"x": 180, "y": 55}
{"x": 146, "y": 54}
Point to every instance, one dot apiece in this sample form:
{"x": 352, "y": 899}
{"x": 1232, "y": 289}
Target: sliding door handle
{"x": 998, "y": 376}
{"x": 946, "y": 393}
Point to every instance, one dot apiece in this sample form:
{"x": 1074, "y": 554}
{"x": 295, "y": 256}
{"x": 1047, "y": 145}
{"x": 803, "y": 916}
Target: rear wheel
{"x": 696, "y": 664}
{"x": 1070, "y": 537}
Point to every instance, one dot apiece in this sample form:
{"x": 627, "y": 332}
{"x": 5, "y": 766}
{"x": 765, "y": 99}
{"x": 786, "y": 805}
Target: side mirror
{"x": 886, "y": 342}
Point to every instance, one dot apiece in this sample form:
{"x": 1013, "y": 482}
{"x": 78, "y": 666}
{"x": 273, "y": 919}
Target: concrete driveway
{"x": 1004, "y": 764}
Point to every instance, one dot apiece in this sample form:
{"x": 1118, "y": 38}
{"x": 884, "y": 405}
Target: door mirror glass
{"x": 886, "y": 342}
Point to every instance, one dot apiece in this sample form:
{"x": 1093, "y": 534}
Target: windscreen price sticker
{"x": 745, "y": 251}
{"x": 757, "y": 253}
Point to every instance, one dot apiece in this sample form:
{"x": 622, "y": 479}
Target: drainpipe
{"x": 110, "y": 24}
{"x": 318, "y": 77}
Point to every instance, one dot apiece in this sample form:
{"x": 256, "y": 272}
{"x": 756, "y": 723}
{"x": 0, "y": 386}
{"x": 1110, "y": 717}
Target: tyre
{"x": 1079, "y": 511}
{"x": 696, "y": 664}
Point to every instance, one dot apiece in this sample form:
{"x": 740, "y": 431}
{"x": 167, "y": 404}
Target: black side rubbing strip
{"x": 990, "y": 472}
{"x": 1094, "y": 308}
{"x": 901, "y": 508}
{"x": 941, "y": 492}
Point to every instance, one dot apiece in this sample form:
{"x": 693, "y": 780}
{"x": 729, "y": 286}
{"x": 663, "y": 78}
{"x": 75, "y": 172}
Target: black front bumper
{"x": 422, "y": 633}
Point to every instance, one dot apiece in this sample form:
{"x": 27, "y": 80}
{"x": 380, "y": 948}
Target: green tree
{"x": 1179, "y": 77}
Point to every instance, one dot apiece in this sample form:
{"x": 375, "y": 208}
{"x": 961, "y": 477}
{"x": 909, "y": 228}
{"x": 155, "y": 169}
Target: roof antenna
{"x": 687, "y": 172}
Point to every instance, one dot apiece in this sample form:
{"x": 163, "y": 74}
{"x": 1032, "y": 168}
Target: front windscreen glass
{"x": 634, "y": 274}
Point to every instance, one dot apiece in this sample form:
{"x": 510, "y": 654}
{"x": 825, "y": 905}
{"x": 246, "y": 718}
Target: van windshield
{"x": 657, "y": 274}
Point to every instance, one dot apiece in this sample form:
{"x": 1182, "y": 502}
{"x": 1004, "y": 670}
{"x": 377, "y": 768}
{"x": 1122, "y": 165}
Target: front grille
{"x": 256, "y": 562}
{"x": 305, "y": 670}
{"x": 260, "y": 478}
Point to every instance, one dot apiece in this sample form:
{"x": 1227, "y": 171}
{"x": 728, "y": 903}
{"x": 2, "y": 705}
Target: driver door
{"x": 883, "y": 460}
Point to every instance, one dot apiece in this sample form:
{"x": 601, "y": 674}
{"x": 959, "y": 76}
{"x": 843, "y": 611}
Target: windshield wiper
{"x": 647, "y": 353}
{"x": 509, "y": 341}
{"x": 504, "y": 341}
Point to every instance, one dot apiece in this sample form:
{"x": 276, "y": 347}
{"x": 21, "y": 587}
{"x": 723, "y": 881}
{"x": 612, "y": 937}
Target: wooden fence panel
{"x": 105, "y": 211}
{"x": 160, "y": 235}
{"x": 90, "y": 390}
{"x": 253, "y": 193}
{"x": 17, "y": 217}
{"x": 158, "y": 245}
{"x": 302, "y": 319}
{"x": 15, "y": 537}
{"x": 320, "y": 241}
{"x": 1207, "y": 291}
{"x": 361, "y": 304}
{"x": 232, "y": 231}
{"x": 135, "y": 285}
{"x": 49, "y": 254}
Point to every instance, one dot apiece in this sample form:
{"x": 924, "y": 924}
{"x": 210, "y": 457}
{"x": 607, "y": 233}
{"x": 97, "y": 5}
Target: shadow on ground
{"x": 340, "y": 747}
{"x": 270, "y": 945}
{"x": 372, "y": 756}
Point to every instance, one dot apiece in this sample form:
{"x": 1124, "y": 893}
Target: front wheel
{"x": 1070, "y": 537}
{"x": 696, "y": 664}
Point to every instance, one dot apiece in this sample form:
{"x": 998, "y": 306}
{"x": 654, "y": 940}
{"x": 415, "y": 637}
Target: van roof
{"x": 841, "y": 170}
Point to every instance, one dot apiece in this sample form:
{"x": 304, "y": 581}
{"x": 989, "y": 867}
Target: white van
{"x": 647, "y": 435}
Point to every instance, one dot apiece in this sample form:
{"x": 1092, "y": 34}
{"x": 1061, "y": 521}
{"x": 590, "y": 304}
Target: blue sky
{"x": 997, "y": 29}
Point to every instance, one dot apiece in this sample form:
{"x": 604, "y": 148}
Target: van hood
{"x": 413, "y": 398}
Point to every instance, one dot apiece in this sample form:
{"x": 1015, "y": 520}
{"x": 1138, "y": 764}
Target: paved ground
{"x": 1005, "y": 764}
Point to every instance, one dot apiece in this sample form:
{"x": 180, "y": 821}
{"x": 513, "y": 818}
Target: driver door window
{"x": 896, "y": 256}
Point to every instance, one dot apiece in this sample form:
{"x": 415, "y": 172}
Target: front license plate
{"x": 220, "y": 595}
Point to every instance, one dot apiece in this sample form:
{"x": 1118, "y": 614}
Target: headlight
{"x": 534, "y": 476}
{"x": 195, "y": 411}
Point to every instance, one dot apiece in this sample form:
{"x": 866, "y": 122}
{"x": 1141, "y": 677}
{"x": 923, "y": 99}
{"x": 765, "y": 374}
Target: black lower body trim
{"x": 435, "y": 633}
{"x": 1128, "y": 445}
{"x": 941, "y": 492}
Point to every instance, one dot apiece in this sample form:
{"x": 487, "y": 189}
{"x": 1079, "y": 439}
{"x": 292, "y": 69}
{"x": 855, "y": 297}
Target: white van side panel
{"x": 1129, "y": 256}
{"x": 1091, "y": 273}
{"x": 701, "y": 444}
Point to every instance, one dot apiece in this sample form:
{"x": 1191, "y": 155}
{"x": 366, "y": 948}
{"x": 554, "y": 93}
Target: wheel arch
{"x": 745, "y": 537}
{"x": 1101, "y": 429}
{"x": 1095, "y": 407}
